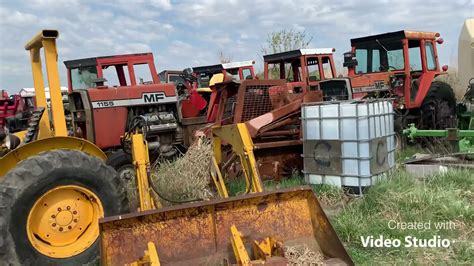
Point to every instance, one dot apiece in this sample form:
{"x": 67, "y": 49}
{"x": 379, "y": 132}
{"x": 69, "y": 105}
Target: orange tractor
{"x": 401, "y": 65}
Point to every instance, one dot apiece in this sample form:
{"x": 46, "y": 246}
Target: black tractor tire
{"x": 122, "y": 162}
{"x": 438, "y": 110}
{"x": 21, "y": 187}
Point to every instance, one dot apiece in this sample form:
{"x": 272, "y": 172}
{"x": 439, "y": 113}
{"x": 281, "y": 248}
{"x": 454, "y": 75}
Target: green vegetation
{"x": 402, "y": 198}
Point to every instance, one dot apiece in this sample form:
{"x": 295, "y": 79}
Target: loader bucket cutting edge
{"x": 199, "y": 233}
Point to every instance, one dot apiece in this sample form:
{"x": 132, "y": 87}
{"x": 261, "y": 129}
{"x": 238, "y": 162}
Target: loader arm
{"x": 238, "y": 136}
{"x": 141, "y": 161}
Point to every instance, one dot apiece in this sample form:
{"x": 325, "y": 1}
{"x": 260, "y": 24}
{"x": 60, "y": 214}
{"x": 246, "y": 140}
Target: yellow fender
{"x": 11, "y": 159}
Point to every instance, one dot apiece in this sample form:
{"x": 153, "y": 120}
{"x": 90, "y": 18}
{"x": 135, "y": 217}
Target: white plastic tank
{"x": 466, "y": 53}
{"x": 348, "y": 144}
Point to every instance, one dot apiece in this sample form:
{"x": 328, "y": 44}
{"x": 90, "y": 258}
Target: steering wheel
{"x": 387, "y": 67}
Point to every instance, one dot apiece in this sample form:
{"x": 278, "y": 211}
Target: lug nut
{"x": 59, "y": 209}
{"x": 60, "y": 229}
{"x": 75, "y": 220}
{"x": 53, "y": 224}
{"x": 69, "y": 227}
{"x": 53, "y": 216}
{"x": 68, "y": 207}
{"x": 74, "y": 212}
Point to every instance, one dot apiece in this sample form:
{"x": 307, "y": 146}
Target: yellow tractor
{"x": 55, "y": 188}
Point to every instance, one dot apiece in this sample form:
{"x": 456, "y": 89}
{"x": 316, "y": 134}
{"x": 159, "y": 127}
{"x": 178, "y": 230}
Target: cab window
{"x": 115, "y": 75}
{"x": 313, "y": 69}
{"x": 327, "y": 70}
{"x": 246, "y": 73}
{"x": 379, "y": 55}
{"x": 142, "y": 74}
{"x": 414, "y": 54}
{"x": 430, "y": 57}
{"x": 83, "y": 77}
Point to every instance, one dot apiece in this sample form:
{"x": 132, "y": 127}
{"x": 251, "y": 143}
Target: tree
{"x": 285, "y": 40}
{"x": 282, "y": 41}
{"x": 223, "y": 58}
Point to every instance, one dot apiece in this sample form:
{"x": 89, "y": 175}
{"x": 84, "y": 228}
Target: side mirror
{"x": 350, "y": 60}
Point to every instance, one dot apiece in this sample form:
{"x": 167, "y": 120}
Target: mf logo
{"x": 153, "y": 97}
{"x": 379, "y": 85}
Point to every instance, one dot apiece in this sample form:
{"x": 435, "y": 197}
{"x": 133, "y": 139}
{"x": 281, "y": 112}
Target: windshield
{"x": 82, "y": 78}
{"x": 176, "y": 79}
{"x": 203, "y": 80}
{"x": 379, "y": 56}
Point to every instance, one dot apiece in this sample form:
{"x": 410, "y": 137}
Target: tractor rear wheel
{"x": 438, "y": 110}
{"x": 51, "y": 205}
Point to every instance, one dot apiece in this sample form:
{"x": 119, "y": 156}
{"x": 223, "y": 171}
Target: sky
{"x": 185, "y": 33}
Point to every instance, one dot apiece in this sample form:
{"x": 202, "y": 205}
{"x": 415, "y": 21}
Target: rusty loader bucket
{"x": 200, "y": 233}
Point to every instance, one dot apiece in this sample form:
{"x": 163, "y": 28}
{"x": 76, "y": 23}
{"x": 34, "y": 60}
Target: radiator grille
{"x": 230, "y": 107}
{"x": 256, "y": 102}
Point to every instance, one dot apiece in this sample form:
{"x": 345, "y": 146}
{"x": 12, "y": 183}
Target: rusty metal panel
{"x": 199, "y": 233}
{"x": 379, "y": 155}
{"x": 323, "y": 157}
{"x": 254, "y": 99}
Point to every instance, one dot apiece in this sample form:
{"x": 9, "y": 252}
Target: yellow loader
{"x": 55, "y": 188}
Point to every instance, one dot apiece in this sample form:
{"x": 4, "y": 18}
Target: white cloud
{"x": 190, "y": 33}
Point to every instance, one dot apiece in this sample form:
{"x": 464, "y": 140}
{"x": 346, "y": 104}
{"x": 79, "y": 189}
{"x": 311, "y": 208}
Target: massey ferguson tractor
{"x": 106, "y": 93}
{"x": 401, "y": 65}
{"x": 303, "y": 69}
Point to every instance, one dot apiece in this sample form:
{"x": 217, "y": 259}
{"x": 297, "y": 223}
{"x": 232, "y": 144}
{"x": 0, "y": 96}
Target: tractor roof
{"x": 296, "y": 53}
{"x": 92, "y": 61}
{"x": 219, "y": 67}
{"x": 397, "y": 35}
{"x": 168, "y": 71}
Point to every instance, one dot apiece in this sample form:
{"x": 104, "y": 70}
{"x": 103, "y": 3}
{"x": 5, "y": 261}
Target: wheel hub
{"x": 63, "y": 222}
{"x": 64, "y": 219}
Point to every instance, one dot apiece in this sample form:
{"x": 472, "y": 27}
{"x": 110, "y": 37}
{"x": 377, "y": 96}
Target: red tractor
{"x": 107, "y": 93}
{"x": 303, "y": 69}
{"x": 14, "y": 111}
{"x": 171, "y": 76}
{"x": 402, "y": 65}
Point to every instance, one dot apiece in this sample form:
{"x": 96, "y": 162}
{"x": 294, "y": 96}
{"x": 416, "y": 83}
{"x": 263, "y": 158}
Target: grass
{"x": 402, "y": 198}
{"x": 327, "y": 194}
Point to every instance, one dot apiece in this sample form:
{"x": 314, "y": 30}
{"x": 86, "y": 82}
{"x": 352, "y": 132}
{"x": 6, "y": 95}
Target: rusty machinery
{"x": 247, "y": 229}
{"x": 54, "y": 189}
{"x": 107, "y": 92}
{"x": 303, "y": 69}
{"x": 401, "y": 65}
{"x": 272, "y": 116}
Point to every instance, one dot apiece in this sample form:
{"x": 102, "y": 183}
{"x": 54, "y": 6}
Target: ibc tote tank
{"x": 466, "y": 53}
{"x": 348, "y": 144}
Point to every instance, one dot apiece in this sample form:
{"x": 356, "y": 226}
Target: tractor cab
{"x": 111, "y": 71}
{"x": 171, "y": 76}
{"x": 401, "y": 64}
{"x": 303, "y": 69}
{"x": 236, "y": 70}
{"x": 105, "y": 93}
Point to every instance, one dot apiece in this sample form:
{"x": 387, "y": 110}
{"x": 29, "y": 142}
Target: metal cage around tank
{"x": 348, "y": 143}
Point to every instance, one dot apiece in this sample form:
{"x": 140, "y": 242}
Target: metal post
{"x": 57, "y": 107}
{"x": 40, "y": 95}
